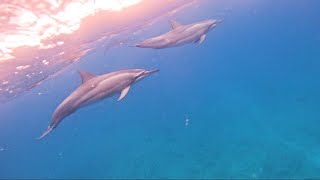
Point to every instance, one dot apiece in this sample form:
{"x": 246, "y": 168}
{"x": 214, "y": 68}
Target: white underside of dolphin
{"x": 96, "y": 88}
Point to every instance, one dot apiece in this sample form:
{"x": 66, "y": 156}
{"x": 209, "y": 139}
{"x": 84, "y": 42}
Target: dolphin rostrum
{"x": 180, "y": 35}
{"x": 95, "y": 88}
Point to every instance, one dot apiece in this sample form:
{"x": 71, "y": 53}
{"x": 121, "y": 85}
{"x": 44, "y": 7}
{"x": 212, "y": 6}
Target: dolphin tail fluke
{"x": 46, "y": 132}
{"x": 134, "y": 45}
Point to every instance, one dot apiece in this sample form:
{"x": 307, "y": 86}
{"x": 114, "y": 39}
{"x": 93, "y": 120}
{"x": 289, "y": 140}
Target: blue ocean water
{"x": 250, "y": 93}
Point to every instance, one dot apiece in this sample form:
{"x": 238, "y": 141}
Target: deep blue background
{"x": 251, "y": 92}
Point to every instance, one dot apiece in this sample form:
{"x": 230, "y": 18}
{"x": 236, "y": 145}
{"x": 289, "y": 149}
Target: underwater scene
{"x": 159, "y": 89}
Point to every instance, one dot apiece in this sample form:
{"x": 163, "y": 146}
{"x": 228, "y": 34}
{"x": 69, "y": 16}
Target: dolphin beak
{"x": 214, "y": 23}
{"x": 146, "y": 73}
{"x": 217, "y": 22}
{"x": 152, "y": 71}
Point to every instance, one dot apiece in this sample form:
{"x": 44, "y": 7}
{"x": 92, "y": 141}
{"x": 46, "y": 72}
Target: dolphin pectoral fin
{"x": 46, "y": 132}
{"x": 124, "y": 92}
{"x": 201, "y": 40}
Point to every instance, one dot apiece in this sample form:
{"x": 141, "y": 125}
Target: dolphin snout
{"x": 145, "y": 73}
{"x": 219, "y": 21}
{"x": 213, "y": 23}
{"x": 152, "y": 71}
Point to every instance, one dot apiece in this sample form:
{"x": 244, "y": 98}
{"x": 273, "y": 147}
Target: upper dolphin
{"x": 180, "y": 35}
{"x": 95, "y": 88}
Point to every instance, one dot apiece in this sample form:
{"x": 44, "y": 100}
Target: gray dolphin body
{"x": 180, "y": 35}
{"x": 96, "y": 88}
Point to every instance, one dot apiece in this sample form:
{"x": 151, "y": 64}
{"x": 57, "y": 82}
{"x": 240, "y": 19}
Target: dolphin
{"x": 96, "y": 88}
{"x": 180, "y": 35}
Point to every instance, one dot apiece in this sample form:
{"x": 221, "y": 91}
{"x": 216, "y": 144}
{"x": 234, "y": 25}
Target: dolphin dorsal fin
{"x": 85, "y": 76}
{"x": 175, "y": 24}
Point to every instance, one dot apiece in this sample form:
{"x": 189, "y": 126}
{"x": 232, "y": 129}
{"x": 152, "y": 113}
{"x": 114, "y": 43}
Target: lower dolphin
{"x": 96, "y": 88}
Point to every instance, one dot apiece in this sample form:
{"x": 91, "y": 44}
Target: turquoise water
{"x": 250, "y": 93}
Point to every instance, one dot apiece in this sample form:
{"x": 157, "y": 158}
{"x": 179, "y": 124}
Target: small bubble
{"x": 45, "y": 62}
{"x": 60, "y": 155}
{"x": 187, "y": 121}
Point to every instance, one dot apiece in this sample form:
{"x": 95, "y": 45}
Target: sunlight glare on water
{"x": 38, "y": 39}
{"x": 32, "y": 23}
